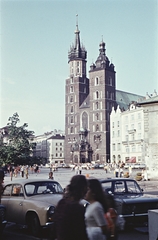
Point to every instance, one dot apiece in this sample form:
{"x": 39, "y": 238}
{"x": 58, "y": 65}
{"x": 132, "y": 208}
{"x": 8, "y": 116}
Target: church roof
{"x": 123, "y": 99}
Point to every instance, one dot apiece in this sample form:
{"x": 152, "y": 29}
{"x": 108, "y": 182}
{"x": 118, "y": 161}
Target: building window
{"x": 97, "y": 116}
{"x": 71, "y": 130}
{"x": 139, "y": 126}
{"x": 56, "y": 144}
{"x": 60, "y": 144}
{"x": 60, "y": 154}
{"x": 72, "y": 119}
{"x": 97, "y": 105}
{"x": 113, "y": 147}
{"x": 72, "y": 80}
{"x": 118, "y": 133}
{"x": 56, "y": 154}
{"x": 118, "y": 146}
{"x": 118, "y": 123}
{"x": 97, "y": 95}
{"x": 113, "y": 134}
{"x": 71, "y": 99}
{"x": 112, "y": 124}
{"x": 56, "y": 149}
{"x": 71, "y": 89}
{"x": 96, "y": 81}
{"x": 72, "y": 109}
{"x": 97, "y": 127}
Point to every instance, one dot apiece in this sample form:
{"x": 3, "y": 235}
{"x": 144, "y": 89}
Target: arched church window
{"x": 96, "y": 81}
{"x": 71, "y": 89}
{"x": 97, "y": 157}
{"x": 71, "y": 99}
{"x": 71, "y": 130}
{"x": 85, "y": 120}
{"x": 72, "y": 109}
{"x": 72, "y": 119}
{"x": 97, "y": 127}
{"x": 97, "y": 116}
{"x": 97, "y": 95}
{"x": 97, "y": 105}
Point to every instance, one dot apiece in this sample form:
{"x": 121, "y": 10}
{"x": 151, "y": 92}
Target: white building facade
{"x": 134, "y": 134}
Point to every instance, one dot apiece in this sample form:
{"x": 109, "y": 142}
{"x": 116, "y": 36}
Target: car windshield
{"x": 36, "y": 188}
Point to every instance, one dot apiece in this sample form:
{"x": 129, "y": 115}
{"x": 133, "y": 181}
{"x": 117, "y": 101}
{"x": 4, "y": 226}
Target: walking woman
{"x": 69, "y": 214}
{"x": 94, "y": 216}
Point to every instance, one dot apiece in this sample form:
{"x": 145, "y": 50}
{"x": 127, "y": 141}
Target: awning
{"x": 131, "y": 160}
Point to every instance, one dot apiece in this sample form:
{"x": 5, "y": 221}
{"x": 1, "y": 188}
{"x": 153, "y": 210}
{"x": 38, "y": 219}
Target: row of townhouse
{"x": 134, "y": 133}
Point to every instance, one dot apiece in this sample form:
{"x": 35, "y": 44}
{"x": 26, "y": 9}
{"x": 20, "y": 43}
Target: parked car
{"x": 131, "y": 203}
{"x": 31, "y": 202}
{"x": 2, "y": 218}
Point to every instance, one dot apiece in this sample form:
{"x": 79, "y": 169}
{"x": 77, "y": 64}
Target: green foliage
{"x": 19, "y": 145}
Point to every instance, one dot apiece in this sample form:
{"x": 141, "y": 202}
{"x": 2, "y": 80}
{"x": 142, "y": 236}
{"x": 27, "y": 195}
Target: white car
{"x": 31, "y": 202}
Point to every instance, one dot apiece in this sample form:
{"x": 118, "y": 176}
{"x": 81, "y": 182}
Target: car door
{"x": 15, "y": 205}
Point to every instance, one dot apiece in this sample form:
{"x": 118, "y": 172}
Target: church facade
{"x": 88, "y": 104}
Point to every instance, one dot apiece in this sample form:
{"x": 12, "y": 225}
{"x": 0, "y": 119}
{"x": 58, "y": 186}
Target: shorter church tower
{"x": 102, "y": 99}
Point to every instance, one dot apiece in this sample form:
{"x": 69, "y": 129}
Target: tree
{"x": 19, "y": 145}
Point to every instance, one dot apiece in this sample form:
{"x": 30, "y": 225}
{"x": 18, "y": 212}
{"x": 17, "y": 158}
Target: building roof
{"x": 149, "y": 100}
{"x": 123, "y": 99}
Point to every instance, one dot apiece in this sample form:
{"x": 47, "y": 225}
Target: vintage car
{"x": 2, "y": 218}
{"x": 31, "y": 202}
{"x": 131, "y": 203}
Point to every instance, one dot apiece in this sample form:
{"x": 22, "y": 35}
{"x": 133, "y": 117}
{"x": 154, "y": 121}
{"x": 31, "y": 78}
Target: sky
{"x": 35, "y": 37}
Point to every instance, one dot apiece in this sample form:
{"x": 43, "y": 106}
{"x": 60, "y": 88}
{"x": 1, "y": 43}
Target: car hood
{"x": 52, "y": 199}
{"x": 137, "y": 198}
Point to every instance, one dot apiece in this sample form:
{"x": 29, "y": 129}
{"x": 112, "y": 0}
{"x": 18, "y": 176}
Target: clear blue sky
{"x": 36, "y": 37}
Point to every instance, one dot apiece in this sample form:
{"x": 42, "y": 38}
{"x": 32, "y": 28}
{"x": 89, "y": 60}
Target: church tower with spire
{"x": 77, "y": 90}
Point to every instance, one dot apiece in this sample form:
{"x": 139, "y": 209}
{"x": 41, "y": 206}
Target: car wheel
{"x": 33, "y": 224}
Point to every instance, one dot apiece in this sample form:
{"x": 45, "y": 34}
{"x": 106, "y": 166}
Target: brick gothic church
{"x": 88, "y": 104}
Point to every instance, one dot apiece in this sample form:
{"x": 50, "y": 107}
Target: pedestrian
{"x": 95, "y": 212}
{"x": 121, "y": 172}
{"x": 116, "y": 171}
{"x": 1, "y": 183}
{"x": 76, "y": 170}
{"x": 69, "y": 220}
{"x": 80, "y": 169}
{"x": 50, "y": 175}
{"x": 22, "y": 171}
{"x": 26, "y": 172}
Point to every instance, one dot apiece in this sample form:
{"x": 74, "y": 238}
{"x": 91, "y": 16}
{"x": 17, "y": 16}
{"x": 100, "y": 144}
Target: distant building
{"x": 88, "y": 104}
{"x": 50, "y": 146}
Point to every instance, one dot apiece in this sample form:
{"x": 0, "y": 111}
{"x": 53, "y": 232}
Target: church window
{"x": 97, "y": 116}
{"x": 96, "y": 81}
{"x": 110, "y": 81}
{"x": 97, "y": 157}
{"x": 72, "y": 80}
{"x": 72, "y": 109}
{"x": 71, "y": 89}
{"x": 107, "y": 94}
{"x": 85, "y": 120}
{"x": 97, "y": 105}
{"x": 97, "y": 127}
{"x": 84, "y": 89}
{"x": 71, "y": 99}
{"x": 71, "y": 130}
{"x": 72, "y": 119}
{"x": 97, "y": 95}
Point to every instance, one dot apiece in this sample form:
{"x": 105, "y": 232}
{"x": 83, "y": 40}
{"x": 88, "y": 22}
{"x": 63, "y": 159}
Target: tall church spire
{"x": 77, "y": 39}
{"x": 77, "y": 51}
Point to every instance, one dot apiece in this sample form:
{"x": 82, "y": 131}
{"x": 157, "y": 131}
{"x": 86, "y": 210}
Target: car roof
{"x": 116, "y": 179}
{"x": 24, "y": 181}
